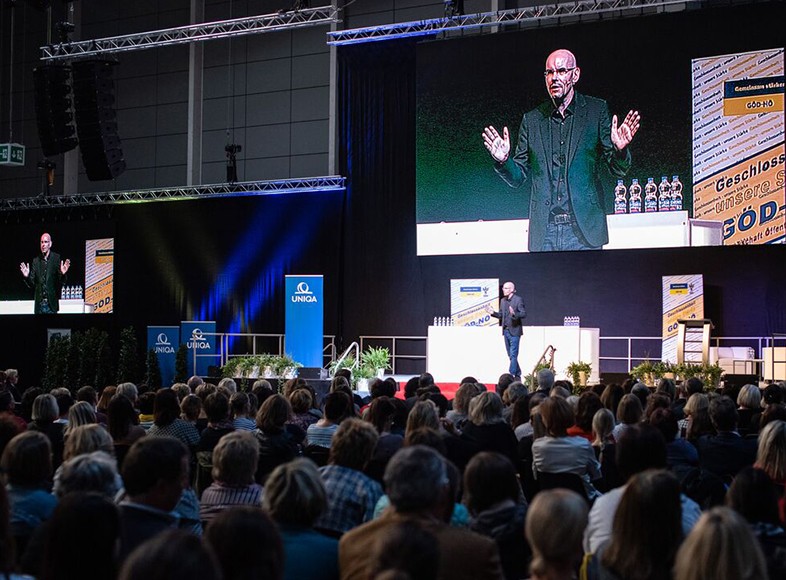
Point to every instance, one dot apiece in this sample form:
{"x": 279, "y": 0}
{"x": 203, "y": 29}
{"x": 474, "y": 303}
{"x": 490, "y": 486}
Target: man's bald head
{"x": 561, "y": 74}
{"x": 562, "y": 53}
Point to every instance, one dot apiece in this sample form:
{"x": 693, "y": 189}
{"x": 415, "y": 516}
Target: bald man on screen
{"x": 46, "y": 275}
{"x": 563, "y": 146}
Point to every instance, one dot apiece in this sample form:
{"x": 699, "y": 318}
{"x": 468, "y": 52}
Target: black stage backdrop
{"x": 225, "y": 259}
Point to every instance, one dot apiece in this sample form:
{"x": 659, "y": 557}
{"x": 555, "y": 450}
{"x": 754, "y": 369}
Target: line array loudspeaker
{"x": 53, "y": 108}
{"x": 96, "y": 119}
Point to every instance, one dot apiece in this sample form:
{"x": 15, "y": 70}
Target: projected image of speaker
{"x": 96, "y": 119}
{"x": 53, "y": 108}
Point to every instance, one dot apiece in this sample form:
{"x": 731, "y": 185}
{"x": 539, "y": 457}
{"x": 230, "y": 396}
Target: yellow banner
{"x": 100, "y": 295}
{"x": 694, "y": 308}
{"x": 752, "y": 105}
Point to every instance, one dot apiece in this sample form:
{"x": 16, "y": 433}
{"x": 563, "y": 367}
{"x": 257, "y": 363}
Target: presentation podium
{"x": 454, "y": 352}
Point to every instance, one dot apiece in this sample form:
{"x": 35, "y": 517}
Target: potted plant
{"x": 645, "y": 372}
{"x": 579, "y": 372}
{"x": 376, "y": 360}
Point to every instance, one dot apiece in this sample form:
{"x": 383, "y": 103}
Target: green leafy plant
{"x": 152, "y": 370}
{"x": 575, "y": 370}
{"x": 181, "y": 364}
{"x": 56, "y": 362}
{"x": 128, "y": 357}
{"x": 375, "y": 359}
{"x": 253, "y": 366}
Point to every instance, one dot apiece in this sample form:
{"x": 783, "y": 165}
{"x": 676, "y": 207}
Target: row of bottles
{"x": 69, "y": 292}
{"x": 662, "y": 197}
{"x": 443, "y": 321}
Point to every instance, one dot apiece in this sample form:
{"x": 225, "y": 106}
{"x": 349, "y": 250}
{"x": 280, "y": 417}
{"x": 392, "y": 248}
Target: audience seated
{"x": 147, "y": 404}
{"x": 338, "y": 406}
{"x": 155, "y": 473}
{"x": 7, "y": 406}
{"x": 589, "y": 403}
{"x": 697, "y": 422}
{"x": 234, "y": 463}
{"x": 727, "y": 452}
{"x": 771, "y": 458}
{"x": 302, "y": 402}
{"x": 545, "y": 381}
{"x": 459, "y": 415}
{"x": 753, "y": 495}
{"x": 295, "y": 497}
{"x": 381, "y": 413}
{"x": 496, "y": 503}
{"x": 681, "y": 455}
{"x": 408, "y": 552}
{"x": 247, "y": 544}
{"x": 417, "y": 484}
{"x": 646, "y": 532}
{"x": 749, "y": 409}
{"x": 44, "y": 417}
{"x": 554, "y": 525}
{"x": 218, "y": 422}
{"x": 487, "y": 428}
{"x": 94, "y": 471}
{"x": 605, "y": 449}
{"x": 611, "y": 397}
{"x": 167, "y": 422}
{"x": 173, "y": 555}
{"x": 351, "y": 494}
{"x": 278, "y": 441}
{"x": 629, "y": 413}
{"x": 240, "y": 409}
{"x": 720, "y": 547}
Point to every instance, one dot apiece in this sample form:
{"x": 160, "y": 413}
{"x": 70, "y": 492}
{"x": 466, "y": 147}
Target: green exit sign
{"x": 12, "y": 154}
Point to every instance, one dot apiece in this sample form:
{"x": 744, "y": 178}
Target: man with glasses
{"x": 46, "y": 276}
{"x": 563, "y": 145}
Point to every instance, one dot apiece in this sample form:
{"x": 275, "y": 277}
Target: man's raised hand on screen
{"x": 498, "y": 145}
{"x": 622, "y": 135}
{"x": 64, "y": 266}
{"x": 25, "y": 269}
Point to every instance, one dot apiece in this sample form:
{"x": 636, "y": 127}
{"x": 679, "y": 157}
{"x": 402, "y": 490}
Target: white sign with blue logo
{"x": 164, "y": 341}
{"x": 200, "y": 338}
{"x": 304, "y": 319}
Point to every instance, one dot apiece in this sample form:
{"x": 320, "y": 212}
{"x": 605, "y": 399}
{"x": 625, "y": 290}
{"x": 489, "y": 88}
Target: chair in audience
{"x": 564, "y": 480}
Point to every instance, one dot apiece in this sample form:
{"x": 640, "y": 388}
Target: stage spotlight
{"x": 232, "y": 150}
{"x": 454, "y": 8}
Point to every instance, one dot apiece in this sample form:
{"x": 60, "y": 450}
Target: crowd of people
{"x": 205, "y": 481}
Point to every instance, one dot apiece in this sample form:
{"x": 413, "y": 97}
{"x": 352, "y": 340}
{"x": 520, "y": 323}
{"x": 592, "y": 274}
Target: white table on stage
{"x": 454, "y": 352}
{"x": 67, "y": 306}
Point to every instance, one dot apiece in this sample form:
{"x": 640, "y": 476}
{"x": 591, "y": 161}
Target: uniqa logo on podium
{"x": 164, "y": 341}
{"x": 200, "y": 337}
{"x": 304, "y": 323}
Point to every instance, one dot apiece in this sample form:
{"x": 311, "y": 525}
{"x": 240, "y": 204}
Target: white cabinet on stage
{"x": 454, "y": 352}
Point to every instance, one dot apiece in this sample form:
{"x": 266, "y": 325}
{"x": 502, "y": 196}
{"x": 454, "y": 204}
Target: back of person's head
{"x": 295, "y": 493}
{"x": 147, "y": 403}
{"x": 771, "y": 413}
{"x": 557, "y": 416}
{"x": 194, "y": 382}
{"x": 602, "y": 426}
{"x": 771, "y": 453}
{"x": 558, "y": 391}
{"x": 545, "y": 379}
{"x": 9, "y": 429}
{"x": 406, "y": 550}
{"x": 301, "y": 401}
{"x": 423, "y": 414}
{"x": 520, "y": 413}
{"x": 166, "y": 407}
{"x": 426, "y": 436}
{"x": 440, "y": 400}
{"x": 129, "y": 390}
{"x": 656, "y": 401}
{"x": 152, "y": 462}
{"x": 411, "y": 388}
{"x": 121, "y": 416}
{"x": 45, "y": 408}
{"x": 629, "y": 410}
{"x": 247, "y": 543}
{"x": 229, "y": 384}
{"x": 262, "y": 389}
{"x": 426, "y": 380}
{"x": 416, "y": 479}
{"x": 694, "y": 385}
{"x": 64, "y": 400}
{"x": 86, "y": 439}
{"x": 172, "y": 555}
{"x": 353, "y": 444}
{"x": 337, "y": 406}
{"x": 87, "y": 394}
{"x": 81, "y": 413}
{"x": 273, "y": 414}
{"x": 589, "y": 404}
{"x": 81, "y": 520}
{"x": 504, "y": 381}
{"x": 238, "y": 404}
{"x": 489, "y": 479}
{"x": 514, "y": 392}
{"x": 721, "y": 546}
{"x": 217, "y": 408}
{"x": 723, "y": 414}
{"x": 554, "y": 528}
{"x": 642, "y": 392}
{"x": 611, "y": 397}
{"x": 640, "y": 447}
{"x": 772, "y": 395}
{"x": 753, "y": 495}
{"x": 637, "y": 551}
{"x": 190, "y": 408}
{"x": 380, "y": 413}
{"x": 94, "y": 472}
{"x": 381, "y": 388}
{"x": 749, "y": 397}
{"x": 27, "y": 460}
{"x": 665, "y": 421}
{"x": 486, "y": 409}
{"x": 464, "y": 395}
{"x": 667, "y": 387}
{"x": 181, "y": 390}
{"x": 28, "y": 398}
{"x": 696, "y": 402}
{"x": 205, "y": 389}
{"x": 235, "y": 458}
{"x": 6, "y": 402}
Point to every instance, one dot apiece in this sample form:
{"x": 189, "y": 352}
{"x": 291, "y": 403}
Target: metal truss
{"x": 192, "y": 33}
{"x": 534, "y": 15}
{"x": 248, "y": 188}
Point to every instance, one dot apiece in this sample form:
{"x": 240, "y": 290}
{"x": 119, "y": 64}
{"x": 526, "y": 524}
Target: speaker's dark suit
{"x": 590, "y": 151}
{"x": 46, "y": 280}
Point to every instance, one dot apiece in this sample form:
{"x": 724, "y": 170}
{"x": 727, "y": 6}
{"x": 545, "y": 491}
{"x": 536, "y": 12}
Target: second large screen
{"x": 568, "y": 182}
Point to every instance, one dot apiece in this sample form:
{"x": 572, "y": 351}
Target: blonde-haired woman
{"x": 771, "y": 458}
{"x": 720, "y": 547}
{"x": 554, "y": 528}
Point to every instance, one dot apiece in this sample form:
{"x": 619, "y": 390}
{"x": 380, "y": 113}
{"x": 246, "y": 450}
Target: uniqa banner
{"x": 164, "y": 342}
{"x": 200, "y": 339}
{"x": 683, "y": 298}
{"x": 738, "y": 145}
{"x": 469, "y": 299}
{"x": 304, "y": 319}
